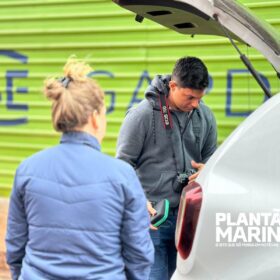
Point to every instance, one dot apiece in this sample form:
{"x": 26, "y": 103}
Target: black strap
{"x": 168, "y": 125}
{"x": 196, "y": 126}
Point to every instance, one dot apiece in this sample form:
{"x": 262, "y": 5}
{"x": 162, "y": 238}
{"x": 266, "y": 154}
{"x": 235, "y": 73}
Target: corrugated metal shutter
{"x": 36, "y": 38}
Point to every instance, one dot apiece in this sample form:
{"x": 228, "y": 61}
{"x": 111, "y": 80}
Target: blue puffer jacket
{"x": 76, "y": 213}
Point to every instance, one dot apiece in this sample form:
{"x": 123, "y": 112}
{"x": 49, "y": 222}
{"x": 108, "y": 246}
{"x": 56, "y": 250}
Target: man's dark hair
{"x": 190, "y": 72}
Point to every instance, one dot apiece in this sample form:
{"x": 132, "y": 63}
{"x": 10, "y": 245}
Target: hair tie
{"x": 65, "y": 81}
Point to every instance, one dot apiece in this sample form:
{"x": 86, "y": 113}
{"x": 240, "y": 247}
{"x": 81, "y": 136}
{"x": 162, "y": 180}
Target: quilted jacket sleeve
{"x": 17, "y": 230}
{"x": 138, "y": 250}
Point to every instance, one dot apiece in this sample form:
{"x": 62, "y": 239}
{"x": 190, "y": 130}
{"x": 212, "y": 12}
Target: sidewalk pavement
{"x": 4, "y": 270}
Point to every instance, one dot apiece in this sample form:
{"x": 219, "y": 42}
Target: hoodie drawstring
{"x": 154, "y": 127}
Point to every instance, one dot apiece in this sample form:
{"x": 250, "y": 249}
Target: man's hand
{"x": 152, "y": 211}
{"x": 199, "y": 167}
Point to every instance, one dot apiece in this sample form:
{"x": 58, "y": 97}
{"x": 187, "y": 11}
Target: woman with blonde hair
{"x": 76, "y": 213}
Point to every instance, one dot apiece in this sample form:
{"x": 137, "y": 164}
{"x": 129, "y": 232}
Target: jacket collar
{"x": 79, "y": 137}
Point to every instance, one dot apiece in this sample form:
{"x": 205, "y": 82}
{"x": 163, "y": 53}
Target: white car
{"x": 228, "y": 225}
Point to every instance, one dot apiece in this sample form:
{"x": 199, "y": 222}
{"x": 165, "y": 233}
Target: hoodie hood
{"x": 159, "y": 85}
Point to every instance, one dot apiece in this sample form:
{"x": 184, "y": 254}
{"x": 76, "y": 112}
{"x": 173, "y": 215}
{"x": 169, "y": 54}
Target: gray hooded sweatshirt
{"x": 158, "y": 155}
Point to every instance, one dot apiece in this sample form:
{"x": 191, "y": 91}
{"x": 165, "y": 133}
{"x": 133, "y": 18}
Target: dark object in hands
{"x": 162, "y": 208}
{"x": 182, "y": 180}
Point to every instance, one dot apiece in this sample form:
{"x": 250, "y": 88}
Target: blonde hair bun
{"x": 76, "y": 99}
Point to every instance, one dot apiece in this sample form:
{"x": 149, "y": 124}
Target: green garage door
{"x": 36, "y": 38}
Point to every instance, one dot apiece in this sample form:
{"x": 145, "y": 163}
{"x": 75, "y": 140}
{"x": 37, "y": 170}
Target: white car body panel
{"x": 243, "y": 175}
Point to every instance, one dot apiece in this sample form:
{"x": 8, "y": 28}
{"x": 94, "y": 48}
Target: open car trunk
{"x": 210, "y": 17}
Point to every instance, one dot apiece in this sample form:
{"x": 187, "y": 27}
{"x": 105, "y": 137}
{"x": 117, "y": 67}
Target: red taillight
{"x": 189, "y": 209}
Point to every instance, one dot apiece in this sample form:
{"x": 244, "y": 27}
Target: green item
{"x": 162, "y": 208}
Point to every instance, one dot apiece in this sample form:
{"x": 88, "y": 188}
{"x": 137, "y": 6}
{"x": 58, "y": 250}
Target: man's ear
{"x": 172, "y": 84}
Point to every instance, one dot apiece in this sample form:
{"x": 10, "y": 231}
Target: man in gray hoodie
{"x": 169, "y": 133}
